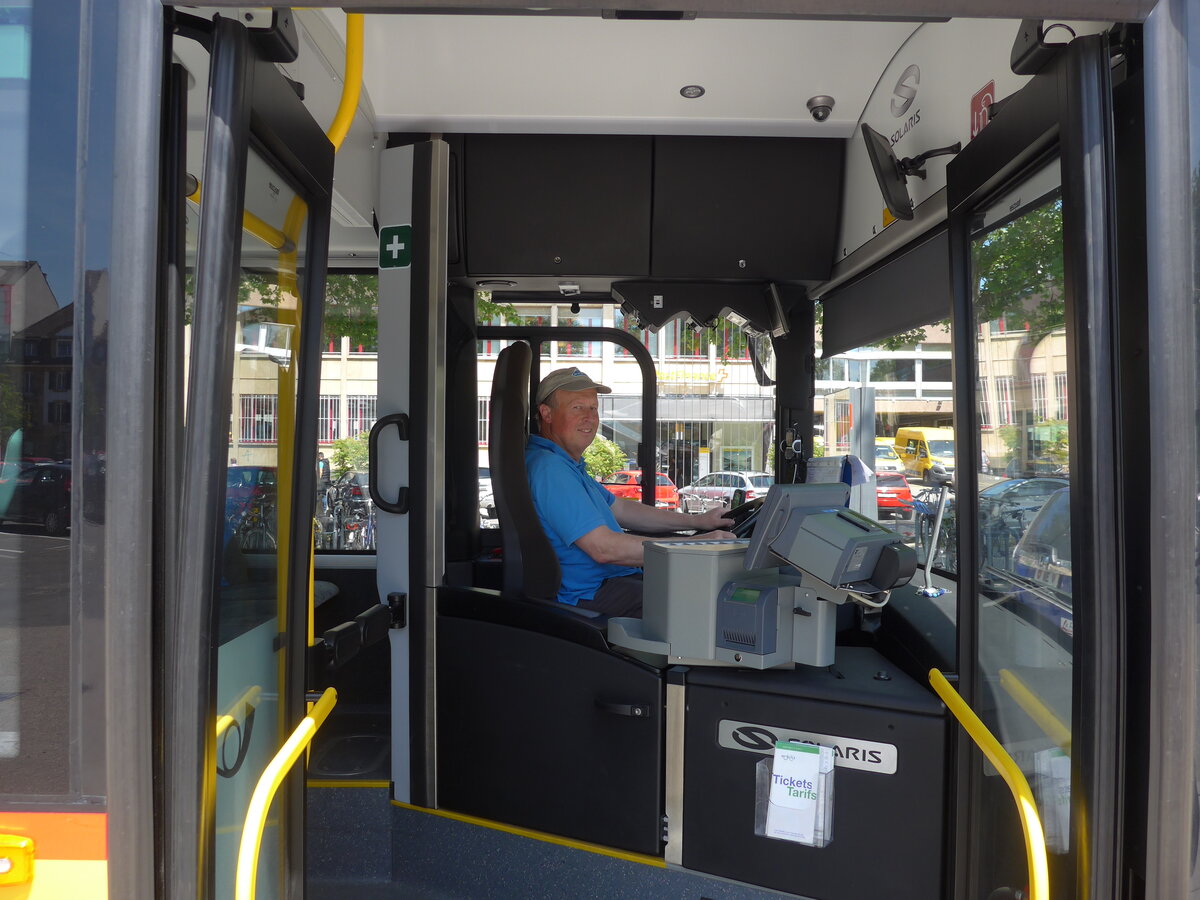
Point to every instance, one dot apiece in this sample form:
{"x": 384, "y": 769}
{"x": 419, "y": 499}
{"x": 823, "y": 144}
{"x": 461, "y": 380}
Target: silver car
{"x": 724, "y": 489}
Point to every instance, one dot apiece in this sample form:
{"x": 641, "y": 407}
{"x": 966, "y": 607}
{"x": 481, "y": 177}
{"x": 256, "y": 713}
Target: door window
{"x": 1024, "y": 602}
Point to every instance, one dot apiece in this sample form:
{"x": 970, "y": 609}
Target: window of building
{"x": 58, "y": 412}
{"x": 1038, "y": 385}
{"x": 937, "y": 370}
{"x": 360, "y": 413}
{"x": 484, "y": 408}
{"x": 31, "y": 348}
{"x": 330, "y": 419}
{"x": 649, "y": 341}
{"x": 1060, "y": 396}
{"x": 586, "y": 317}
{"x": 60, "y": 381}
{"x": 985, "y": 404}
{"x": 62, "y": 347}
{"x": 258, "y": 418}
{"x": 893, "y": 370}
{"x": 1005, "y": 400}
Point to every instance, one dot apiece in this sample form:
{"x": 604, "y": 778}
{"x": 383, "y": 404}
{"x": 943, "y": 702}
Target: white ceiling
{"x": 469, "y": 73}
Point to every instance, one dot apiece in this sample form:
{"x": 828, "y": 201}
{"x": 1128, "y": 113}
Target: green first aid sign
{"x": 395, "y": 247}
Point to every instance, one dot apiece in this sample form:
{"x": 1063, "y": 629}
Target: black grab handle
{"x": 400, "y": 420}
{"x": 633, "y": 710}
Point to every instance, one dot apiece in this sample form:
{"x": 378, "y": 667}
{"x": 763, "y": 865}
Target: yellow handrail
{"x": 1031, "y": 823}
{"x": 264, "y": 793}
{"x": 252, "y": 224}
{"x": 1046, "y": 719}
{"x": 352, "y": 83}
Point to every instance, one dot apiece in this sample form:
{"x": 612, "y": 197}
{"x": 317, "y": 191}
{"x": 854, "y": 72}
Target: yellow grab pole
{"x": 1031, "y": 823}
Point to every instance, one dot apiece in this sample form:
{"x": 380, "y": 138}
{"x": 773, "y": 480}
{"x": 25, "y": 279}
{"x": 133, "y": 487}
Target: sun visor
{"x": 907, "y": 290}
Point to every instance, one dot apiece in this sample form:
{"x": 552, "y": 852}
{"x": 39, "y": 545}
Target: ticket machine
{"x": 771, "y": 601}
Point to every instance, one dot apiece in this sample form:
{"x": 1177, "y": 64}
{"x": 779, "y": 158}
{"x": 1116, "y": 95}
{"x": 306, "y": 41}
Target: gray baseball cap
{"x": 569, "y": 379}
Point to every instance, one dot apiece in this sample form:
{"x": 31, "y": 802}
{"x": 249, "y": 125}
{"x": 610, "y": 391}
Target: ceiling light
{"x": 691, "y": 91}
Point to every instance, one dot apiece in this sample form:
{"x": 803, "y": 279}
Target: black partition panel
{"x": 909, "y": 289}
{"x": 736, "y": 207}
{"x": 557, "y": 204}
{"x": 535, "y": 729}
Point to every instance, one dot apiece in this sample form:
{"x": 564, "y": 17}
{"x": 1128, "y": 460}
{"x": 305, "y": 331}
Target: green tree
{"x": 603, "y": 457}
{"x": 352, "y": 310}
{"x": 1019, "y": 271}
{"x": 488, "y": 310}
{"x": 13, "y": 414}
{"x": 350, "y": 453}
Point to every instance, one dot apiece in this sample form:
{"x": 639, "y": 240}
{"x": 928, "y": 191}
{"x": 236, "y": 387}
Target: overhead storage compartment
{"x": 757, "y": 208}
{"x": 576, "y": 207}
{"x": 556, "y": 204}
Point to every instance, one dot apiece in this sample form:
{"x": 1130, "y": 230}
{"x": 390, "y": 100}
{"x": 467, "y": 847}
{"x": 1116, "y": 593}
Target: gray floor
{"x": 361, "y": 846}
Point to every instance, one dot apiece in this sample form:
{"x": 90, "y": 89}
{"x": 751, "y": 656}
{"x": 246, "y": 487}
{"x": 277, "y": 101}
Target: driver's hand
{"x": 713, "y": 518}
{"x": 717, "y": 536}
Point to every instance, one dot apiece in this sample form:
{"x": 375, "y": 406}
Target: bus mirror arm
{"x": 915, "y": 165}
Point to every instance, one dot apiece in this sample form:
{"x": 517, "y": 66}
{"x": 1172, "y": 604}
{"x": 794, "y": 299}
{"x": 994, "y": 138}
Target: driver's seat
{"x": 531, "y": 568}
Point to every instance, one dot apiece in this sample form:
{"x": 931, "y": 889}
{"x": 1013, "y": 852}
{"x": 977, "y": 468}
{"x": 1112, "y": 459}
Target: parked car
{"x": 726, "y": 489}
{"x": 487, "y": 502}
{"x": 350, "y": 489}
{"x": 1042, "y": 564}
{"x": 893, "y": 496}
{"x": 40, "y": 494}
{"x": 1023, "y": 495}
{"x": 245, "y": 483}
{"x": 628, "y": 484}
{"x": 886, "y": 459}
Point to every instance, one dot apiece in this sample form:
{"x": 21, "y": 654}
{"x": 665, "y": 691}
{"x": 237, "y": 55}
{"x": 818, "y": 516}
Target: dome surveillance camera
{"x": 821, "y": 107}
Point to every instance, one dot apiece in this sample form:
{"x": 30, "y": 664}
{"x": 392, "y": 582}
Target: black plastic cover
{"x": 527, "y": 735}
{"x": 888, "y": 829}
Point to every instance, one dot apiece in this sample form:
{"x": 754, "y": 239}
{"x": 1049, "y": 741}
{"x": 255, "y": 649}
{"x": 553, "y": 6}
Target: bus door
{"x": 248, "y": 267}
{"x": 1033, "y": 251}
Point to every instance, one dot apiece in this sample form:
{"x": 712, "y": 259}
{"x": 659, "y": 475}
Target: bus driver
{"x": 601, "y": 564}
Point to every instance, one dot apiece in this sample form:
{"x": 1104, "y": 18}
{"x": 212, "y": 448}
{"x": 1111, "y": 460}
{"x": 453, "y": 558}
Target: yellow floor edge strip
{"x": 656, "y": 861}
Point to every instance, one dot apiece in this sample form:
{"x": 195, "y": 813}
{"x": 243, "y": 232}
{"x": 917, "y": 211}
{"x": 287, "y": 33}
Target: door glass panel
{"x": 252, "y": 603}
{"x": 349, "y": 390}
{"x": 1023, "y": 527}
{"x": 55, "y": 256}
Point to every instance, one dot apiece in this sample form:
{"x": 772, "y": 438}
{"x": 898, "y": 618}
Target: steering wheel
{"x": 744, "y": 517}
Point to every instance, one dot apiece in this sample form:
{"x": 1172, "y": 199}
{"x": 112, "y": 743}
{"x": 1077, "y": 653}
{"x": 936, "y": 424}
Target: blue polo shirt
{"x": 570, "y": 504}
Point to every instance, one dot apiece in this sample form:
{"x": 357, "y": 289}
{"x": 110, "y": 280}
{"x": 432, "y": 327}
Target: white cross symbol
{"x": 395, "y": 246}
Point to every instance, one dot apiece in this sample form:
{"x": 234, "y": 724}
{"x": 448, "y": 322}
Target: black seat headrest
{"x": 531, "y": 567}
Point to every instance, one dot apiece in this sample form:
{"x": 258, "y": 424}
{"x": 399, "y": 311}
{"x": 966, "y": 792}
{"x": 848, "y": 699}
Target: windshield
{"x": 664, "y": 480}
{"x": 941, "y": 448}
{"x": 885, "y": 453}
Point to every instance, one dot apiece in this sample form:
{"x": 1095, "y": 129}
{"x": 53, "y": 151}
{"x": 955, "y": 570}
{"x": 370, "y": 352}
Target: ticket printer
{"x": 770, "y": 601}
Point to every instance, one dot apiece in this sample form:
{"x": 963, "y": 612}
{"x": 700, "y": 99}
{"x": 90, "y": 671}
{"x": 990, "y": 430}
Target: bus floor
{"x": 361, "y": 845}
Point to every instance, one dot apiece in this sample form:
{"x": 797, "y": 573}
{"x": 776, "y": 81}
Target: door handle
{"x": 632, "y": 710}
{"x": 400, "y": 420}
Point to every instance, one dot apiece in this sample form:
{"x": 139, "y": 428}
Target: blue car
{"x": 1041, "y": 564}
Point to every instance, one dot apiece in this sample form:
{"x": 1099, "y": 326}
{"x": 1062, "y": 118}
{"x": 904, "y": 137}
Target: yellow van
{"x": 886, "y": 459}
{"x": 922, "y": 448}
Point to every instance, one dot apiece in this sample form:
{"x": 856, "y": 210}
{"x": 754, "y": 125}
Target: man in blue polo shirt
{"x": 601, "y": 564}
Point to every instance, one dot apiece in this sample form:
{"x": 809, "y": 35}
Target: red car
{"x": 892, "y": 496}
{"x": 628, "y": 484}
